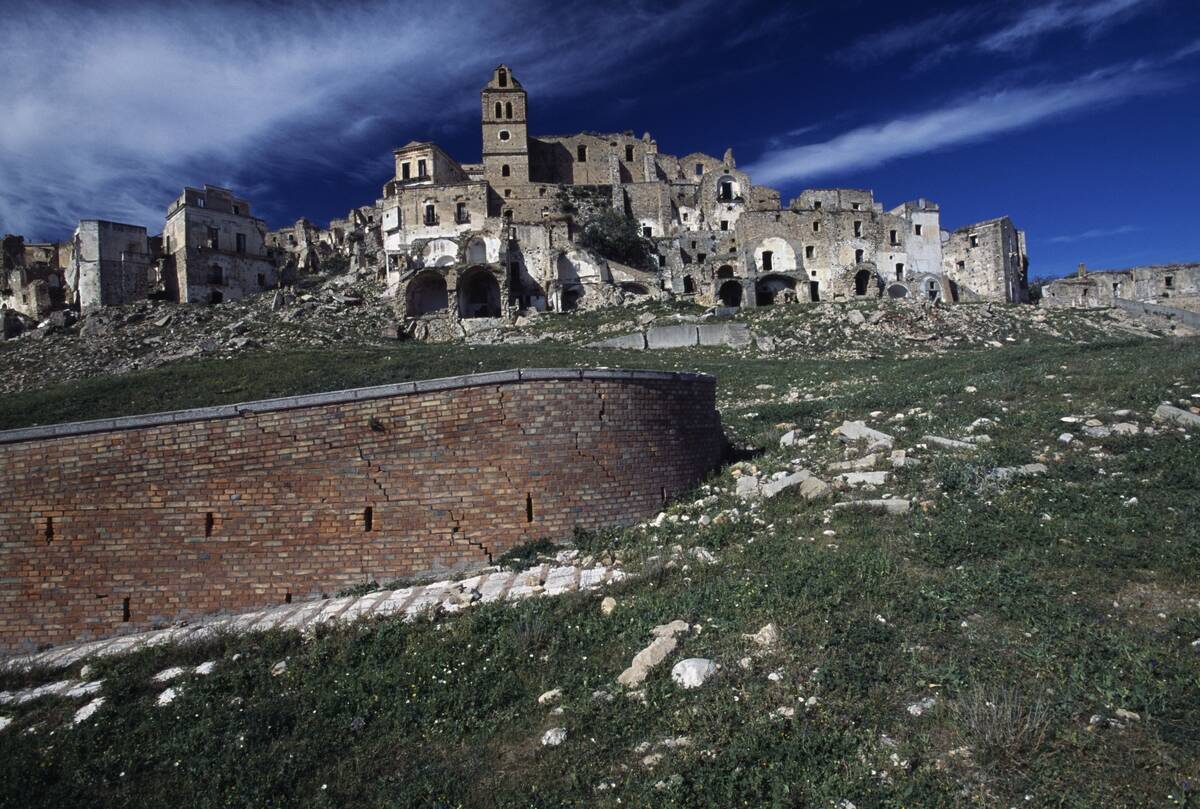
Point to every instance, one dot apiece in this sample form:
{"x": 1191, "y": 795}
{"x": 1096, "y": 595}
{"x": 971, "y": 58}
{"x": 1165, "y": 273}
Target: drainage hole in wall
{"x": 368, "y": 518}
{"x": 528, "y": 507}
{"x": 49, "y": 529}
{"x": 208, "y": 524}
{"x": 125, "y": 609}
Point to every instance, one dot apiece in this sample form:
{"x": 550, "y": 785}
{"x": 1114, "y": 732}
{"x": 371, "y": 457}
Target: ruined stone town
{"x": 454, "y": 241}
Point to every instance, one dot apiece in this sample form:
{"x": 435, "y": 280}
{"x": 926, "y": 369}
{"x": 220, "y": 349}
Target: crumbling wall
{"x": 138, "y": 522}
{"x": 987, "y": 262}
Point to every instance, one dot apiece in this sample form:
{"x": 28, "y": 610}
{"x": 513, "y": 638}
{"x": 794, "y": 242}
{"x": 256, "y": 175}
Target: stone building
{"x": 489, "y": 239}
{"x": 32, "y": 277}
{"x": 987, "y": 261}
{"x": 214, "y": 249}
{"x": 111, "y": 264}
{"x": 1176, "y": 286}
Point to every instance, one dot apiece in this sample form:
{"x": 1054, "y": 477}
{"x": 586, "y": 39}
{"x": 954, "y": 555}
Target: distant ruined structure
{"x": 530, "y": 228}
{"x": 1171, "y": 285}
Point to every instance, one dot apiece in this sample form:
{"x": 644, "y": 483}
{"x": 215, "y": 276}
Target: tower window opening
{"x": 502, "y": 77}
{"x": 497, "y": 109}
{"x": 505, "y": 171}
{"x": 628, "y": 154}
{"x": 581, "y": 153}
{"x": 508, "y": 109}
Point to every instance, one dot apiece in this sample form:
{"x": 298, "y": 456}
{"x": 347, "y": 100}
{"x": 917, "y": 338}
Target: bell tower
{"x": 505, "y": 133}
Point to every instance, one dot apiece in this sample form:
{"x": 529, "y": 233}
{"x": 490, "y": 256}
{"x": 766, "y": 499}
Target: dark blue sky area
{"x": 1078, "y": 119}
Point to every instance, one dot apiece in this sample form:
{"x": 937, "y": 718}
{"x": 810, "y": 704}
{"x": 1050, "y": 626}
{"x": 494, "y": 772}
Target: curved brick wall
{"x": 127, "y": 523}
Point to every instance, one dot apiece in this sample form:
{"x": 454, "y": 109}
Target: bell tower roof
{"x": 503, "y": 79}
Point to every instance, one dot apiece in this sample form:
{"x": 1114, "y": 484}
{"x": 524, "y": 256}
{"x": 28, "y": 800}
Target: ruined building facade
{"x": 487, "y": 239}
{"x": 1176, "y": 286}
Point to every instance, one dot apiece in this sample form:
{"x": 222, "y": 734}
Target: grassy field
{"x": 1023, "y": 615}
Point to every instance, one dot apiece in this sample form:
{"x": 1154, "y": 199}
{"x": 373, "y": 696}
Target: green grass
{"x": 998, "y": 602}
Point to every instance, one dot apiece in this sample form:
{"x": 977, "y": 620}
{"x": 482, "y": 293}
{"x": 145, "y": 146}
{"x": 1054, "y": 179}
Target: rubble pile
{"x": 113, "y": 340}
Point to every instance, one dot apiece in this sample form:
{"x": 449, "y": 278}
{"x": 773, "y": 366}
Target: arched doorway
{"x": 862, "y": 282}
{"x": 725, "y": 272}
{"x": 768, "y": 289}
{"x": 571, "y": 296}
{"x": 897, "y": 291}
{"x": 426, "y": 293}
{"x": 478, "y": 294}
{"x": 730, "y": 293}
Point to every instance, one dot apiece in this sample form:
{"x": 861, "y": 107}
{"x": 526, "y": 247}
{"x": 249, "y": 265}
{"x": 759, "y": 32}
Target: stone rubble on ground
{"x": 693, "y": 672}
{"x": 663, "y": 644}
{"x": 492, "y": 585}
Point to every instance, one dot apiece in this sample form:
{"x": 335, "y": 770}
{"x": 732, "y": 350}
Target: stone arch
{"x": 862, "y": 282}
{"x": 771, "y": 287}
{"x": 440, "y": 253}
{"x": 725, "y": 271}
{"x": 477, "y": 252}
{"x": 570, "y": 298}
{"x": 897, "y": 291}
{"x": 728, "y": 188}
{"x": 426, "y": 293}
{"x": 730, "y": 293}
{"x": 478, "y": 294}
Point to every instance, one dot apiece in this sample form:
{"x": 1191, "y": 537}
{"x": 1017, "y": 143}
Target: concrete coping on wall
{"x": 341, "y": 397}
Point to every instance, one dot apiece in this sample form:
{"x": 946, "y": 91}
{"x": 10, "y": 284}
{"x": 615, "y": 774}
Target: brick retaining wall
{"x": 123, "y": 524}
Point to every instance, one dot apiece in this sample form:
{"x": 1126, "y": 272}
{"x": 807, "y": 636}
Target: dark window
{"x": 505, "y": 171}
{"x": 894, "y": 237}
{"x": 502, "y": 74}
{"x": 725, "y": 194}
{"x": 647, "y": 231}
{"x": 767, "y": 260}
{"x": 405, "y": 171}
{"x": 508, "y": 109}
{"x": 1169, "y": 281}
{"x": 699, "y": 169}
{"x": 628, "y": 154}
{"x": 858, "y": 228}
{"x": 974, "y": 241}
{"x": 816, "y": 204}
{"x": 460, "y": 213}
{"x": 214, "y": 238}
{"x": 962, "y": 265}
{"x": 816, "y": 227}
{"x": 689, "y": 286}
{"x": 858, "y": 256}
{"x": 809, "y": 251}
{"x": 701, "y": 256}
{"x": 237, "y": 211}
{"x": 504, "y": 134}
{"x": 581, "y": 153}
{"x": 724, "y": 224}
{"x": 498, "y": 111}
{"x": 899, "y": 272}
{"x": 241, "y": 242}
{"x": 917, "y": 229}
{"x": 422, "y": 172}
{"x": 430, "y": 215}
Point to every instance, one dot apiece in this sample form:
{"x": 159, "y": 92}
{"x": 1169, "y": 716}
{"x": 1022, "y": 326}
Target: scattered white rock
{"x": 766, "y": 637}
{"x": 552, "y": 695}
{"x": 166, "y": 675}
{"x": 896, "y": 505}
{"x": 5, "y": 721}
{"x": 947, "y": 443}
{"x": 607, "y": 605}
{"x": 663, "y": 644}
{"x": 279, "y": 668}
{"x": 205, "y": 668}
{"x": 1065, "y": 438}
{"x": 919, "y": 708}
{"x": 851, "y": 431}
{"x": 167, "y": 697}
{"x": 554, "y": 737}
{"x": 1176, "y": 415}
{"x": 1128, "y": 716}
{"x": 85, "y": 713}
{"x": 857, "y": 479}
{"x": 692, "y": 673}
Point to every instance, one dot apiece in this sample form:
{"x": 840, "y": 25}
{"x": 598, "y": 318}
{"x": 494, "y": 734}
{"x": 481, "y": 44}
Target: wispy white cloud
{"x": 931, "y": 32}
{"x": 964, "y": 120}
{"x": 943, "y": 35}
{"x": 1095, "y": 233}
{"x": 149, "y": 97}
{"x": 1090, "y": 16}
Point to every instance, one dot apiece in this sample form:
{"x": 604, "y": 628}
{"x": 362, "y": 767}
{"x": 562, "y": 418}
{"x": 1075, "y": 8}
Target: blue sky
{"x": 1078, "y": 118}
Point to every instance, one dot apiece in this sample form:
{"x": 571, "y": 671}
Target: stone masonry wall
{"x": 131, "y": 523}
